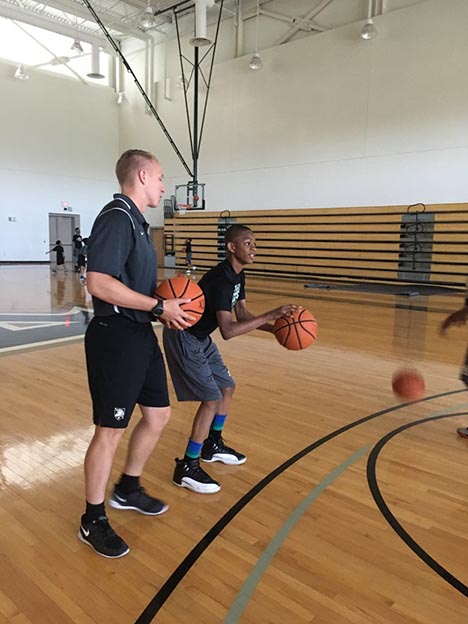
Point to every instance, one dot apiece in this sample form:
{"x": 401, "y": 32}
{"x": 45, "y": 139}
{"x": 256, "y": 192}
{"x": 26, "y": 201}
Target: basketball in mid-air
{"x": 296, "y": 332}
{"x": 181, "y": 287}
{"x": 408, "y": 384}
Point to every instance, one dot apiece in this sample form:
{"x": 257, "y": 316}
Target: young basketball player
{"x": 59, "y": 258}
{"x": 196, "y": 366}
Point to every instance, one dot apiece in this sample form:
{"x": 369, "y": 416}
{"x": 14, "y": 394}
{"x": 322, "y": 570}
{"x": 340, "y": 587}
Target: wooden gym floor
{"x": 351, "y": 508}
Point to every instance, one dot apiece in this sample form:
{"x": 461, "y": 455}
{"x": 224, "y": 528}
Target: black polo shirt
{"x": 120, "y": 245}
{"x": 223, "y": 288}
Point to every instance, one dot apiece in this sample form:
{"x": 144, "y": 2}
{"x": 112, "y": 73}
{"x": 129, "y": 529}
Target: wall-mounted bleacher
{"x": 393, "y": 244}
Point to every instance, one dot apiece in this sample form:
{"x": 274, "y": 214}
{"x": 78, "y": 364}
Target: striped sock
{"x": 217, "y": 426}
{"x": 193, "y": 450}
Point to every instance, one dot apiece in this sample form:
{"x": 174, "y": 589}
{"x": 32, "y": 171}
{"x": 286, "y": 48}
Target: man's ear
{"x": 230, "y": 246}
{"x": 142, "y": 177}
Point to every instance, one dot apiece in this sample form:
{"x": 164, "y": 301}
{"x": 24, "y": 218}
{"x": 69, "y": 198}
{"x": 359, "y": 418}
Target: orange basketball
{"x": 297, "y": 331}
{"x": 408, "y": 384}
{"x": 181, "y": 287}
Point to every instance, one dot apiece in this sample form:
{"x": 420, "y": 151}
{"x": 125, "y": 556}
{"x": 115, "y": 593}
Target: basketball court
{"x": 337, "y": 131}
{"x": 350, "y": 508}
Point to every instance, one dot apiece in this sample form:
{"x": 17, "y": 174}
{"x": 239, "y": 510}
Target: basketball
{"x": 408, "y": 384}
{"x": 181, "y": 287}
{"x": 296, "y": 332}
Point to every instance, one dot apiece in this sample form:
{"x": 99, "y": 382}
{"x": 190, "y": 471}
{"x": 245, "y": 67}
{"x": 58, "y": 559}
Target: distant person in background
{"x": 82, "y": 260}
{"x": 59, "y": 258}
{"x": 188, "y": 253}
{"x": 77, "y": 244}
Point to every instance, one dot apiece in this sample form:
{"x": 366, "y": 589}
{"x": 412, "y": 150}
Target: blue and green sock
{"x": 217, "y": 426}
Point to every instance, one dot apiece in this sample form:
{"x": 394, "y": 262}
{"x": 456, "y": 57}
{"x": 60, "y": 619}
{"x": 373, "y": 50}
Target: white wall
{"x": 331, "y": 120}
{"x": 58, "y": 141}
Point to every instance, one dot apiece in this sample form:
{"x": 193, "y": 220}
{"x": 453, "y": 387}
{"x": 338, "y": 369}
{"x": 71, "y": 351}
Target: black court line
{"x": 184, "y": 567}
{"x": 390, "y": 518}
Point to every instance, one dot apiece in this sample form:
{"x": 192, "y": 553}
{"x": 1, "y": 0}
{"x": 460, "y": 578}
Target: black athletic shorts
{"x": 125, "y": 367}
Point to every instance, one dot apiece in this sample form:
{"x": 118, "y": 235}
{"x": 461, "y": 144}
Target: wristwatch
{"x": 158, "y": 309}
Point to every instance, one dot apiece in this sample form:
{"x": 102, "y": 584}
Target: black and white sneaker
{"x": 102, "y": 538}
{"x": 189, "y": 474}
{"x": 215, "y": 450}
{"x": 138, "y": 501}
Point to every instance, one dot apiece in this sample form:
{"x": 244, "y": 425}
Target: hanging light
{"x": 76, "y": 46}
{"x": 21, "y": 73}
{"x": 95, "y": 71}
{"x": 122, "y": 98}
{"x": 369, "y": 31}
{"x": 256, "y": 61}
{"x": 147, "y": 19}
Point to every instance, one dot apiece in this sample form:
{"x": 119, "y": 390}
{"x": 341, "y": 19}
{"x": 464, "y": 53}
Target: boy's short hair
{"x": 233, "y": 232}
{"x": 58, "y": 242}
{"x": 129, "y": 162}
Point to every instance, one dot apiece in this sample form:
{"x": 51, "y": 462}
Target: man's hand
{"x": 174, "y": 316}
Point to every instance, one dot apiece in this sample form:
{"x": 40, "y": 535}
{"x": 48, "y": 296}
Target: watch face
{"x": 158, "y": 308}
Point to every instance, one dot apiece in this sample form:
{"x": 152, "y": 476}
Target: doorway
{"x": 62, "y": 227}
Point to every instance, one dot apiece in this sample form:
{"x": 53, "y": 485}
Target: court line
{"x": 265, "y": 559}
{"x": 36, "y": 345}
{"x": 388, "y": 515}
{"x": 183, "y": 568}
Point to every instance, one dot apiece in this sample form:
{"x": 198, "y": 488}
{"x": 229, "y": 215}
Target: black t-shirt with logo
{"x": 223, "y": 288}
{"x": 120, "y": 245}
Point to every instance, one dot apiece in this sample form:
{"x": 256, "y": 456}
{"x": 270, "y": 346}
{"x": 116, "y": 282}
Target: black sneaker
{"x": 215, "y": 450}
{"x": 138, "y": 501}
{"x": 463, "y": 432}
{"x": 102, "y": 538}
{"x": 188, "y": 474}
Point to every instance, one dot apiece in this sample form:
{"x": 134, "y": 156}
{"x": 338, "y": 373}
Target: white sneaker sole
{"x": 199, "y": 488}
{"x": 81, "y": 538}
{"x": 229, "y": 460}
{"x": 116, "y": 505}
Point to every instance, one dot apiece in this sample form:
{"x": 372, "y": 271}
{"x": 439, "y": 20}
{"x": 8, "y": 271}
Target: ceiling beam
{"x": 34, "y": 19}
{"x": 61, "y": 26}
{"x": 302, "y": 21}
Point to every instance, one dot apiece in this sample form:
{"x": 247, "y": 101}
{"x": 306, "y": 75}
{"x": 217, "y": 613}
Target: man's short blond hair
{"x": 132, "y": 160}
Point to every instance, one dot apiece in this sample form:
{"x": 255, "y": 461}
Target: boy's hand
{"x": 284, "y": 310}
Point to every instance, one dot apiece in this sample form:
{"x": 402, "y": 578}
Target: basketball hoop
{"x": 182, "y": 208}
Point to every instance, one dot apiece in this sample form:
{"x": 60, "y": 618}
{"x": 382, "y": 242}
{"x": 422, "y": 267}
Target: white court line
{"x": 12, "y": 325}
{"x": 43, "y": 343}
{"x": 74, "y": 310}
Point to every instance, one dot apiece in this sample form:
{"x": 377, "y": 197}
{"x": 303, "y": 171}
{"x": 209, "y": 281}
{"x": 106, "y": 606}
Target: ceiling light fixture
{"x": 369, "y": 31}
{"x": 21, "y": 73}
{"x": 256, "y": 61}
{"x": 76, "y": 46}
{"x": 147, "y": 19}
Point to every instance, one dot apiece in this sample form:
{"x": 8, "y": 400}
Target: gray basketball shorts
{"x": 196, "y": 367}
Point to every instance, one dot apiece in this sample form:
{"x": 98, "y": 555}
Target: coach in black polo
{"x": 124, "y": 362}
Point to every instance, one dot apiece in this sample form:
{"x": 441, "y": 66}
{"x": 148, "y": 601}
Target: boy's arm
{"x": 246, "y": 322}
{"x": 242, "y": 314}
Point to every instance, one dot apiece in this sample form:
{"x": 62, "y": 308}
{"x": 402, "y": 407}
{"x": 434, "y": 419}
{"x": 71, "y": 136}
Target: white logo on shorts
{"x": 119, "y": 413}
